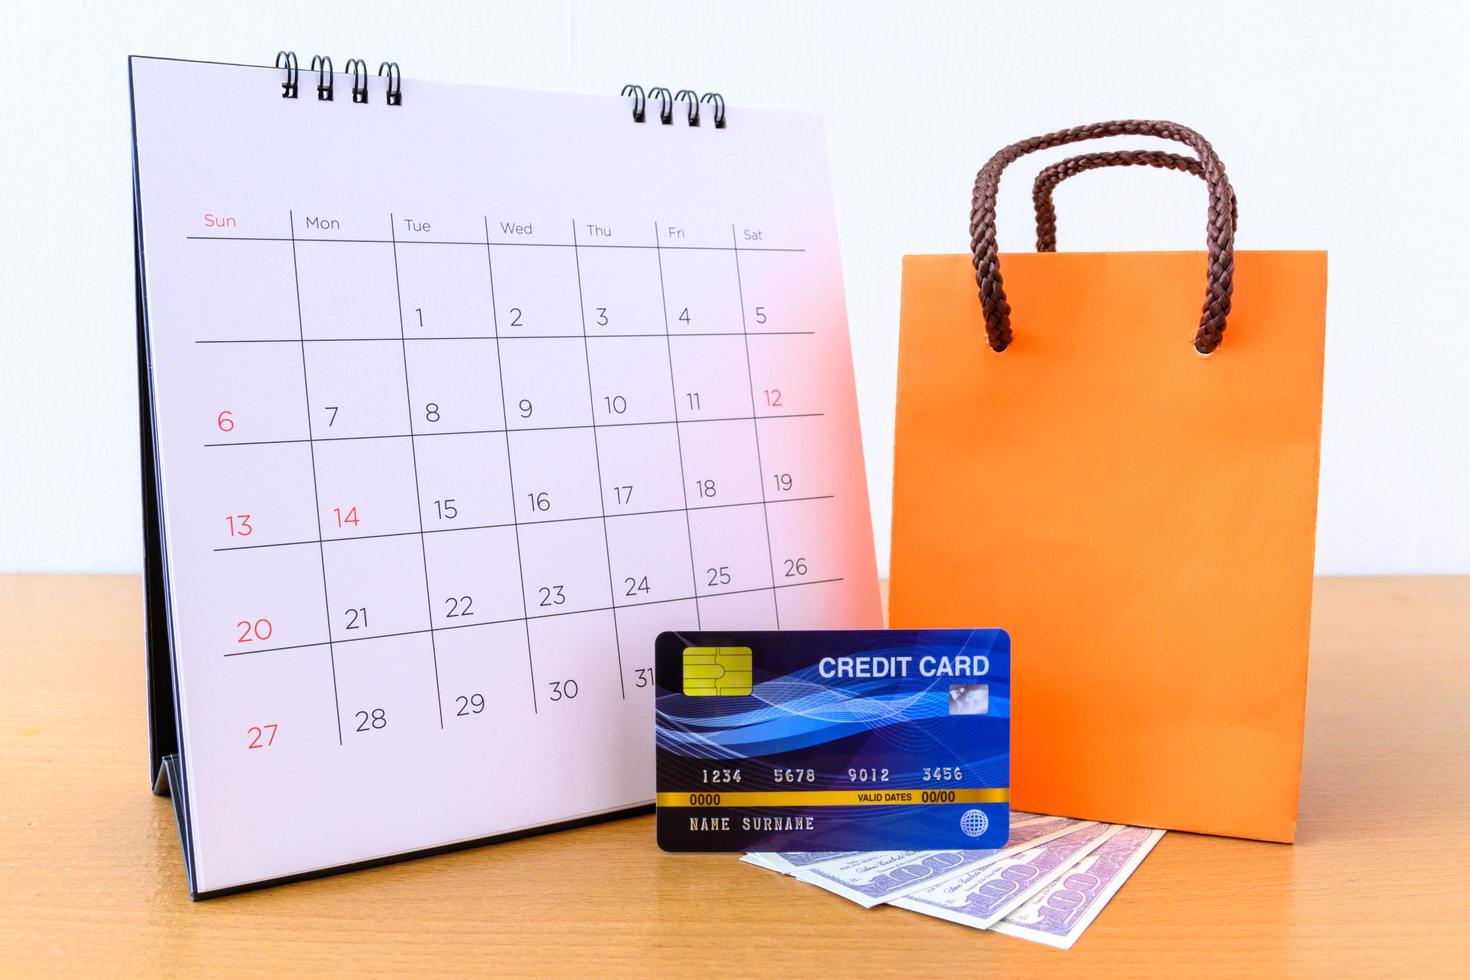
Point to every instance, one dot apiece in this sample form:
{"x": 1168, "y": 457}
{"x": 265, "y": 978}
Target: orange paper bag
{"x": 1130, "y": 489}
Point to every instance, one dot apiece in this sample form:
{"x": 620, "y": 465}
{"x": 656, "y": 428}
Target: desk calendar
{"x": 453, "y": 398}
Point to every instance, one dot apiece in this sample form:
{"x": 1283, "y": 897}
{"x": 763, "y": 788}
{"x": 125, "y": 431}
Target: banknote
{"x": 789, "y": 862}
{"x": 1063, "y": 910}
{"x": 761, "y": 861}
{"x": 983, "y": 896}
{"x": 872, "y": 878}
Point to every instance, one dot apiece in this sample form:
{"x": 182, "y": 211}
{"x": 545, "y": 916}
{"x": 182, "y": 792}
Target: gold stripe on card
{"x": 837, "y": 797}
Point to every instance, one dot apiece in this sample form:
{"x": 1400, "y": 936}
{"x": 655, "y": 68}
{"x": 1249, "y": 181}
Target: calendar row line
{"x": 529, "y": 428}
{"x": 530, "y": 523}
{"x": 484, "y": 242}
{"x": 335, "y": 641}
{"x": 398, "y": 339}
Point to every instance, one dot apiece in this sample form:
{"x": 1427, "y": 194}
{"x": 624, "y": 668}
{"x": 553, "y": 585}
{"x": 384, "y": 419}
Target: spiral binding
{"x": 357, "y": 68}
{"x": 395, "y": 82}
{"x": 718, "y": 101}
{"x": 639, "y": 102}
{"x": 326, "y": 78}
{"x": 287, "y": 60}
{"x": 691, "y": 97}
{"x": 692, "y": 100}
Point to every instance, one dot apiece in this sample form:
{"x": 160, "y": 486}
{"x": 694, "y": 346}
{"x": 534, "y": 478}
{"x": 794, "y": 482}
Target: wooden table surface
{"x": 1378, "y": 884}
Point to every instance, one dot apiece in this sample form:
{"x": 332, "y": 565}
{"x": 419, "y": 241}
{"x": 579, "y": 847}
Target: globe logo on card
{"x": 974, "y": 822}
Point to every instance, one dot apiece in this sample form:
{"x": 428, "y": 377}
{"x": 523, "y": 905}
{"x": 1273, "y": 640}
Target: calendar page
{"x": 458, "y": 403}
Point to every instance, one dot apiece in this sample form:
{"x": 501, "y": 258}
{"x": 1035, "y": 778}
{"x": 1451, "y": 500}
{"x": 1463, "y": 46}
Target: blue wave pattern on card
{"x": 831, "y": 711}
{"x": 796, "y": 711}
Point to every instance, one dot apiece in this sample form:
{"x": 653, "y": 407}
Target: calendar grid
{"x": 695, "y": 595}
{"x": 663, "y": 299}
{"x": 597, "y": 460}
{"x": 755, "y": 425}
{"x": 510, "y": 468}
{"x": 533, "y": 616}
{"x": 315, "y": 488}
{"x": 413, "y": 455}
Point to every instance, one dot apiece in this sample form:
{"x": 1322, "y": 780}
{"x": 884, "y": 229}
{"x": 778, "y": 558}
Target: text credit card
{"x": 833, "y": 740}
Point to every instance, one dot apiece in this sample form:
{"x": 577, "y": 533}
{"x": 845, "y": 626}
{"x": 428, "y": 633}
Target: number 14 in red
{"x": 349, "y": 517}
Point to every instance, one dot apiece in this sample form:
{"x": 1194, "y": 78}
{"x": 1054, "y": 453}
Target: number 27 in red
{"x": 262, "y": 736}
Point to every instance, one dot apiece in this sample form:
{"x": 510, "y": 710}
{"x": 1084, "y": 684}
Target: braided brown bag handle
{"x": 1220, "y": 231}
{"x": 1049, "y": 178}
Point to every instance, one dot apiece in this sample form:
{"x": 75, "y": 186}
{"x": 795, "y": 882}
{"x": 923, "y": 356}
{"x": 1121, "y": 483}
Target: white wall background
{"x": 1341, "y": 124}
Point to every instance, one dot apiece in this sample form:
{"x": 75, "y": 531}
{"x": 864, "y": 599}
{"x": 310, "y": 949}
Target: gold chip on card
{"x": 717, "y": 671}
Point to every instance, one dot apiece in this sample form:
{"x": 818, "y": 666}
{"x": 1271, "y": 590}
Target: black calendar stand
{"x": 165, "y": 763}
{"x": 163, "y": 737}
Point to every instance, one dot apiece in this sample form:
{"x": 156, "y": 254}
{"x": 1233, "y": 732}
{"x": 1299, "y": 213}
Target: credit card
{"x": 833, "y": 740}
